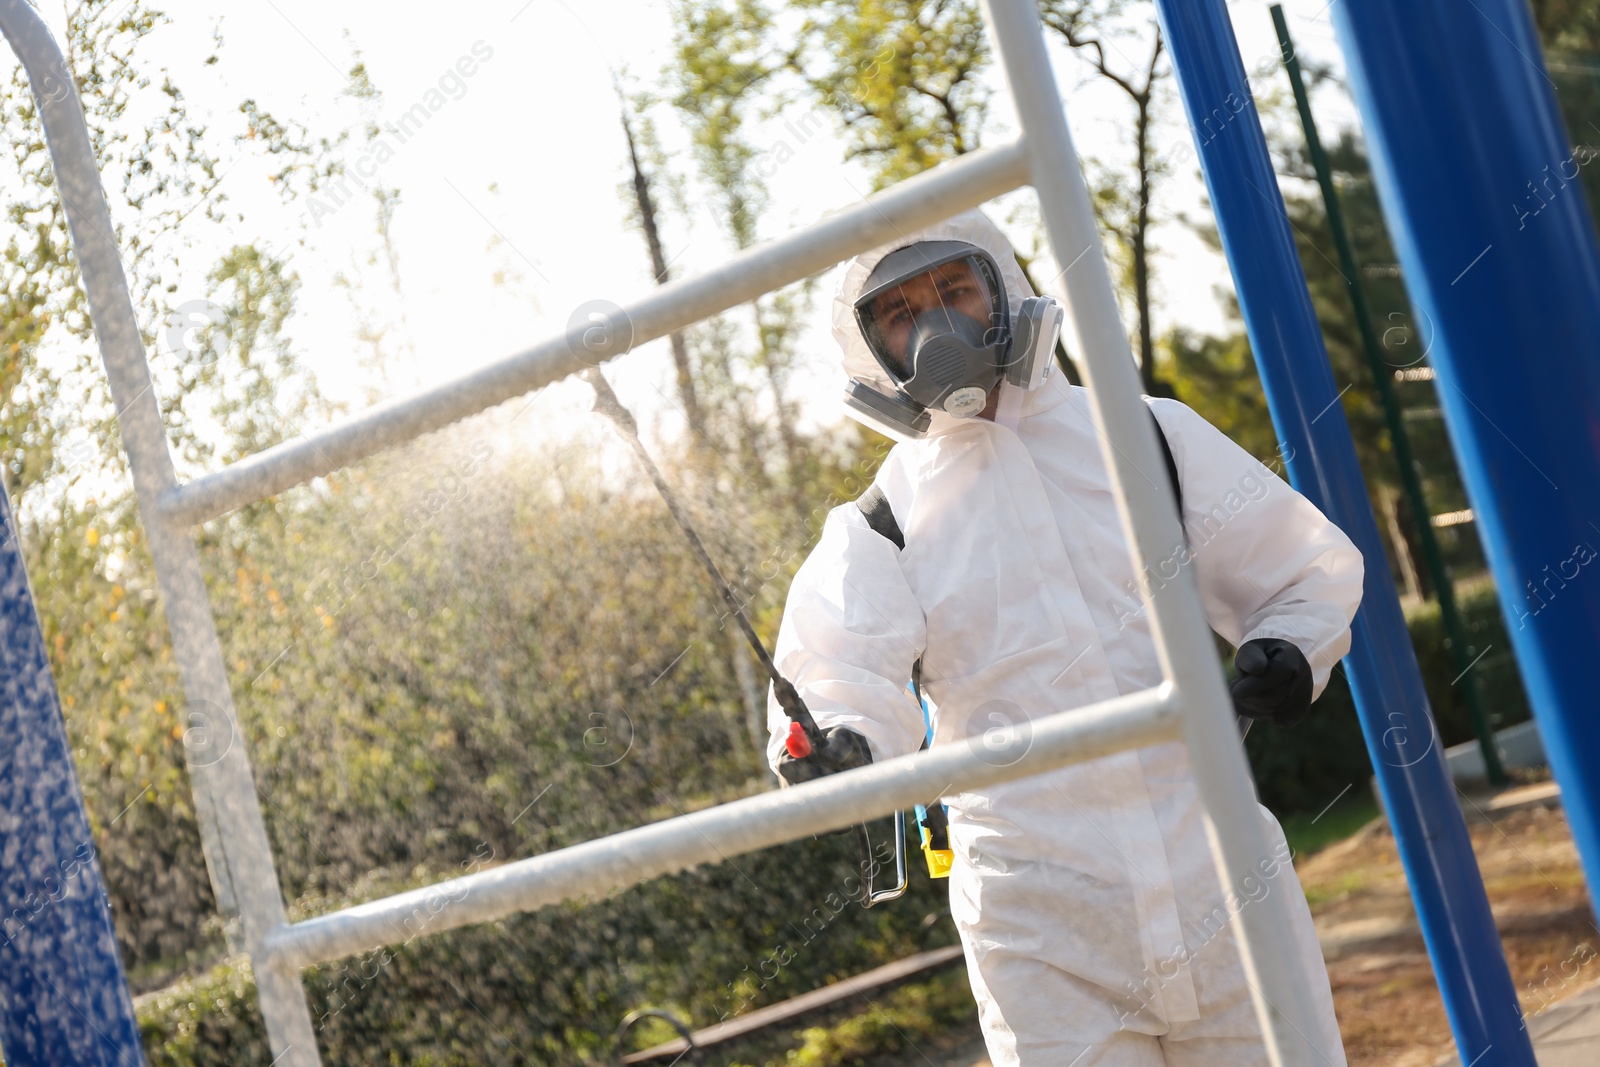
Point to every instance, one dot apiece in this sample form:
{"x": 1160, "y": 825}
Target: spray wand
{"x": 803, "y": 732}
{"x": 804, "y": 736}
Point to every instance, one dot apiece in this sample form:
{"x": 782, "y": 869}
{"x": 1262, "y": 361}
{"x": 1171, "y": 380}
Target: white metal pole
{"x": 1183, "y": 641}
{"x": 903, "y": 208}
{"x": 595, "y": 868}
{"x": 237, "y": 852}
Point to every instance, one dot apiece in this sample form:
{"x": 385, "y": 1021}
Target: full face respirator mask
{"x": 935, "y": 317}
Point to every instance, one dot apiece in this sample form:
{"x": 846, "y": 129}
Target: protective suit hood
{"x": 972, "y": 227}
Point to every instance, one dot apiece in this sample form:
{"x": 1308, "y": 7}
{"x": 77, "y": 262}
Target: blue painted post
{"x": 63, "y": 998}
{"x": 1418, "y": 794}
{"x": 1478, "y": 180}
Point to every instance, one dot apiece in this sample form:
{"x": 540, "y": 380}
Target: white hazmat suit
{"x": 1087, "y": 900}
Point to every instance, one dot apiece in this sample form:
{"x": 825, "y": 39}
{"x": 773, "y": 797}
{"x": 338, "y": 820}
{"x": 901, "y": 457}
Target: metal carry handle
{"x": 871, "y": 896}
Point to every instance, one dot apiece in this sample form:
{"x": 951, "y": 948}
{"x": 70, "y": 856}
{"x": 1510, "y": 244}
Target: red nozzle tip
{"x": 798, "y": 744}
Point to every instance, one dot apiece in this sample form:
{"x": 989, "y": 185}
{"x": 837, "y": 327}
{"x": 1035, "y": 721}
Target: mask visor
{"x": 956, "y": 280}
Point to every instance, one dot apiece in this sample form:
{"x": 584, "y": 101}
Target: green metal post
{"x": 1412, "y": 484}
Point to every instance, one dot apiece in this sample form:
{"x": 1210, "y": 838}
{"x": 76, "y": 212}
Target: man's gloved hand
{"x": 841, "y": 750}
{"x": 1274, "y": 681}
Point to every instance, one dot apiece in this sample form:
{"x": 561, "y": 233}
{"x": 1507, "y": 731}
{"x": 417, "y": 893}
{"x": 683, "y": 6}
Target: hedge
{"x": 1305, "y": 767}
{"x": 550, "y": 987}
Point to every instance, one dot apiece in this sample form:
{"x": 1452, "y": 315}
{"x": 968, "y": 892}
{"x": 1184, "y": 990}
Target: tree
{"x": 646, "y": 215}
{"x": 905, "y": 81}
{"x": 1215, "y": 375}
{"x": 1568, "y": 25}
{"x": 1570, "y": 32}
{"x": 903, "y": 78}
{"x": 1124, "y": 211}
{"x": 228, "y": 381}
{"x": 724, "y": 59}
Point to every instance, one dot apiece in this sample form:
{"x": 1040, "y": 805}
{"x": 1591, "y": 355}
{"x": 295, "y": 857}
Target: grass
{"x": 1343, "y": 885}
{"x": 1309, "y": 832}
{"x": 913, "y": 1015}
{"x": 929, "y": 1014}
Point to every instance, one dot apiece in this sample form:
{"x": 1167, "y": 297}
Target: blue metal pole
{"x": 1478, "y": 180}
{"x": 63, "y": 998}
{"x": 1418, "y": 794}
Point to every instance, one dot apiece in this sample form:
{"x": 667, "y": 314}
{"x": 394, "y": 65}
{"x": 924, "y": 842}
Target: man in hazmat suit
{"x": 1087, "y": 899}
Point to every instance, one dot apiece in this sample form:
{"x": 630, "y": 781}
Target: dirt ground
{"x": 1383, "y": 988}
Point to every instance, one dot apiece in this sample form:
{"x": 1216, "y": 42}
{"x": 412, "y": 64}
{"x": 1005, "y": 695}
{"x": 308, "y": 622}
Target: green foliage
{"x": 551, "y": 986}
{"x": 903, "y": 79}
{"x": 904, "y": 84}
{"x": 724, "y": 56}
{"x": 1216, "y": 375}
{"x": 1304, "y": 768}
{"x": 38, "y": 276}
{"x": 907, "y": 1016}
{"x": 1310, "y": 831}
{"x": 209, "y": 1019}
{"x": 1497, "y": 671}
{"x": 1568, "y": 24}
{"x": 118, "y": 688}
{"x": 1104, "y": 33}
{"x": 730, "y": 69}
{"x": 1572, "y": 57}
{"x": 228, "y": 381}
{"x": 702, "y": 943}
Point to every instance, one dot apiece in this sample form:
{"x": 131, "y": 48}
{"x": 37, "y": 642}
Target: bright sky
{"x": 516, "y": 176}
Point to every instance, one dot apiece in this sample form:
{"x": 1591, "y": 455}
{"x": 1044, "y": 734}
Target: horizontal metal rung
{"x": 597, "y": 868}
{"x": 878, "y": 219}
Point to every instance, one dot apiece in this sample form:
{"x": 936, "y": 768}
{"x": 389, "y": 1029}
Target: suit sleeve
{"x": 1268, "y": 562}
{"x": 851, "y": 631}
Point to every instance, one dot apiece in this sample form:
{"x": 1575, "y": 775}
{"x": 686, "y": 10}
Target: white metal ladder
{"x": 1192, "y": 704}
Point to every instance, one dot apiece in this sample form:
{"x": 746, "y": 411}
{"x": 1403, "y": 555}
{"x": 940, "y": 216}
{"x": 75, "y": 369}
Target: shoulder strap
{"x": 1172, "y": 464}
{"x": 880, "y": 516}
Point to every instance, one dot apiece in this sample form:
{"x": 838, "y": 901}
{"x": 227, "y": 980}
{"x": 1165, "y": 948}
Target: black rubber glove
{"x": 1274, "y": 681}
{"x": 841, "y": 750}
